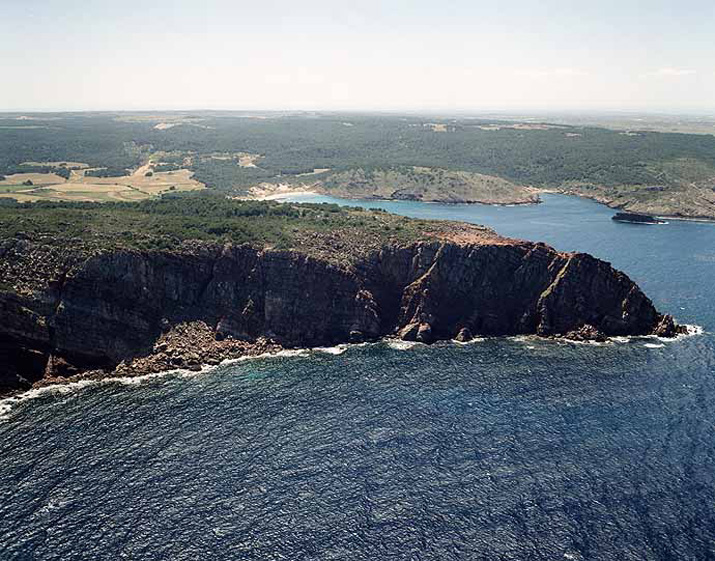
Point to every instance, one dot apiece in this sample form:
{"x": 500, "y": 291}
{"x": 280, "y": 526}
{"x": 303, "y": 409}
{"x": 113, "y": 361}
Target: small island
{"x": 634, "y": 218}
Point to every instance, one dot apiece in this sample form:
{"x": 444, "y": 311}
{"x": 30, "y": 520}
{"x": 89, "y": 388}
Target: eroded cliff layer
{"x": 94, "y": 311}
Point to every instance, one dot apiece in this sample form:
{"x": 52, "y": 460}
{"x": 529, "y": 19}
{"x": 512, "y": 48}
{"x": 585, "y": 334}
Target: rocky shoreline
{"x": 70, "y": 316}
{"x": 193, "y": 347}
{"x": 265, "y": 194}
{"x": 190, "y": 346}
{"x": 659, "y": 211}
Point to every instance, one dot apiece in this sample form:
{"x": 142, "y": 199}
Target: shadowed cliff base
{"x": 92, "y": 304}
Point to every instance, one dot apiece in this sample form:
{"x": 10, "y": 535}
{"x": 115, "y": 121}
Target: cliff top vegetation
{"x": 327, "y": 229}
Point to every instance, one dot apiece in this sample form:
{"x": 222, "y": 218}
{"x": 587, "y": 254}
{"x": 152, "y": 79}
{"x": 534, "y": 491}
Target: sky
{"x": 449, "y": 55}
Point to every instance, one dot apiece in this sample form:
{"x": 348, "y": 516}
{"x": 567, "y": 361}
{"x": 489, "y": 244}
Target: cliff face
{"x": 95, "y": 311}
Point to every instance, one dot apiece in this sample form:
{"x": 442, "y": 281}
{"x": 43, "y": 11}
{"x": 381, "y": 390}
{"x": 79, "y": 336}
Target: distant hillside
{"x": 426, "y": 184}
{"x": 665, "y": 173}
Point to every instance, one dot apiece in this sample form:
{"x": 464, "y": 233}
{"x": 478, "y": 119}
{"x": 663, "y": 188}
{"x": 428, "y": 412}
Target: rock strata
{"x": 130, "y": 312}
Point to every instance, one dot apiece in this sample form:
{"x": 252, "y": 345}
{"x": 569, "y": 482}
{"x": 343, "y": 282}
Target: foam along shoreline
{"x": 7, "y": 404}
{"x": 691, "y": 331}
{"x": 60, "y": 388}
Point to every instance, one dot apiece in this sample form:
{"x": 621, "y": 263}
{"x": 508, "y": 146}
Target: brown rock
{"x": 464, "y": 335}
{"x": 586, "y": 333}
{"x": 409, "y": 332}
{"x": 667, "y": 327}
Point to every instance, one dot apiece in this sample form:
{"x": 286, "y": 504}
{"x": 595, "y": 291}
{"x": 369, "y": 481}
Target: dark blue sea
{"x": 502, "y": 449}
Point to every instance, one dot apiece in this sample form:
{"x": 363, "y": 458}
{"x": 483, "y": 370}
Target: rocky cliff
{"x": 64, "y": 312}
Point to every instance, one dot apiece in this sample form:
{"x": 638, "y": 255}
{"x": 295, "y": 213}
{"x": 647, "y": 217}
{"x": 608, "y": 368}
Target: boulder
{"x": 586, "y": 332}
{"x": 464, "y": 335}
{"x": 424, "y": 333}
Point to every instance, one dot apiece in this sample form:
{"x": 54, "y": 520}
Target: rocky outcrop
{"x": 99, "y": 310}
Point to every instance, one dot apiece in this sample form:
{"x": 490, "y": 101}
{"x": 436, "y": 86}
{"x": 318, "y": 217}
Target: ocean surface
{"x": 510, "y": 448}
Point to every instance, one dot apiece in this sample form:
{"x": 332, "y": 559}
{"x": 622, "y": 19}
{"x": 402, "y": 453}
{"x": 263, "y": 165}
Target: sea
{"x": 500, "y": 449}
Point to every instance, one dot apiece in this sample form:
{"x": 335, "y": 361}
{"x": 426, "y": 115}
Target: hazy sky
{"x": 362, "y": 54}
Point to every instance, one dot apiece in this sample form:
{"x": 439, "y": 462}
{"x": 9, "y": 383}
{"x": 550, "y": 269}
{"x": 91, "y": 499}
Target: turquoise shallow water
{"x": 500, "y": 449}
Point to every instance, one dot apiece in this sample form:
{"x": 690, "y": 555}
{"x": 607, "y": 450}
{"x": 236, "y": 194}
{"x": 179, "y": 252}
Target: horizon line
{"x": 641, "y": 111}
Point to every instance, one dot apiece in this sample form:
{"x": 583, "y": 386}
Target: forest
{"x": 536, "y": 154}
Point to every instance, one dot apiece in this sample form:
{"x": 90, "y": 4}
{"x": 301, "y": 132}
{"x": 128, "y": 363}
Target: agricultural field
{"x": 143, "y": 183}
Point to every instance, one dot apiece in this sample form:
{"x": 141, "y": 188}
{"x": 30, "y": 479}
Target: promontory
{"x": 92, "y": 290}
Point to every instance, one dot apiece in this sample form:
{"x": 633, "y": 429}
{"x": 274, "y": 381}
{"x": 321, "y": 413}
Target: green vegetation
{"x": 564, "y": 157}
{"x": 424, "y": 184}
{"x": 106, "y": 172}
{"x": 165, "y": 223}
{"x": 12, "y": 169}
{"x": 166, "y": 167}
{"x": 291, "y": 145}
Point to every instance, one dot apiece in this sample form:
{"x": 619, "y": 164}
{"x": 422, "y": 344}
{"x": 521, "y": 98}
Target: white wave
{"x": 620, "y": 339}
{"x": 289, "y": 353}
{"x": 590, "y": 343}
{"x": 336, "y": 350}
{"x": 525, "y": 338}
{"x": 470, "y": 342}
{"x": 9, "y": 403}
{"x": 5, "y": 409}
{"x": 270, "y": 354}
{"x": 137, "y": 380}
{"x": 691, "y": 331}
{"x": 400, "y": 345}
{"x": 654, "y": 345}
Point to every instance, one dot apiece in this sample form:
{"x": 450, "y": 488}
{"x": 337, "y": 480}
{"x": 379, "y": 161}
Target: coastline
{"x": 608, "y": 203}
{"x": 64, "y": 386}
{"x": 283, "y": 194}
{"x": 233, "y": 301}
{"x": 704, "y": 220}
